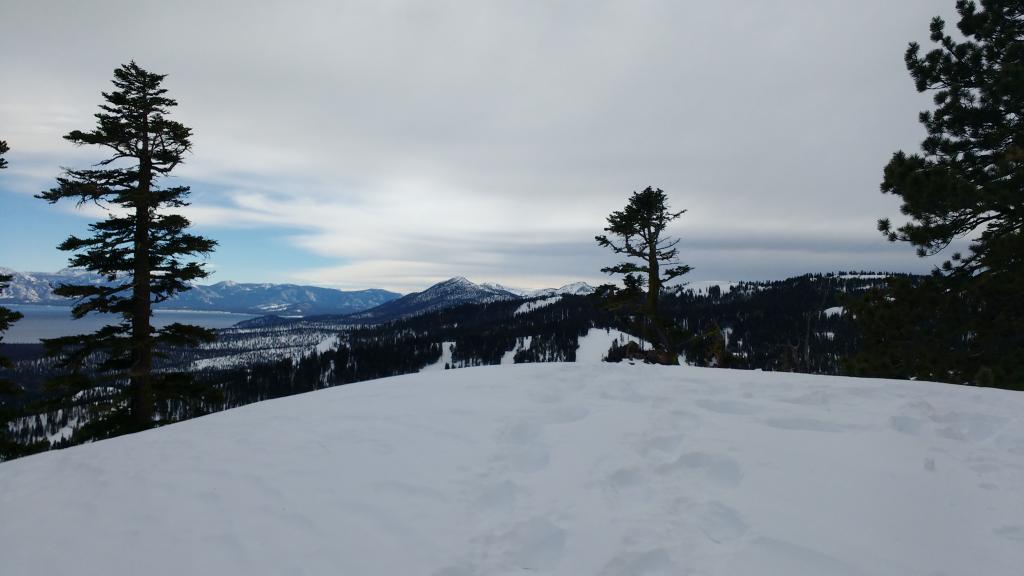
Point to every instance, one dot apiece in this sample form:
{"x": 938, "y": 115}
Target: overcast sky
{"x": 395, "y": 144}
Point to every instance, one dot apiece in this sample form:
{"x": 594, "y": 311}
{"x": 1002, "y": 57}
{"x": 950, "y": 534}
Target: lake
{"x": 54, "y": 321}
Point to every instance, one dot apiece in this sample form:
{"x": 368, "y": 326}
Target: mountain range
{"x": 372, "y": 305}
{"x": 259, "y": 299}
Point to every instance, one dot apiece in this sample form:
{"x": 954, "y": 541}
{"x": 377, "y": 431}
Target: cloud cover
{"x": 406, "y": 142}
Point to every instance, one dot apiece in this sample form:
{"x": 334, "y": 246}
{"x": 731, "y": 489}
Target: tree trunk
{"x": 659, "y": 338}
{"x": 141, "y": 387}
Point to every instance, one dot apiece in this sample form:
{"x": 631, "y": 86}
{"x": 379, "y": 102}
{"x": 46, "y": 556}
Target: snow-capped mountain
{"x": 447, "y": 294}
{"x": 457, "y": 291}
{"x": 575, "y": 289}
{"x": 502, "y": 288}
{"x": 282, "y": 299}
{"x": 37, "y": 287}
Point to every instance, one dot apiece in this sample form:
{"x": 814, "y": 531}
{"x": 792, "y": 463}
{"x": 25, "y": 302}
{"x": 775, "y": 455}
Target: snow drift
{"x": 572, "y": 469}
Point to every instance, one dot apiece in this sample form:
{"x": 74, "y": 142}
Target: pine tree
{"x": 142, "y": 250}
{"x": 969, "y": 181}
{"x": 640, "y": 230}
{"x": 8, "y": 389}
{"x": 7, "y": 316}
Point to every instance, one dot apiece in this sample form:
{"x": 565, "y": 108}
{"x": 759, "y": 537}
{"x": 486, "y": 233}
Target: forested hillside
{"x": 795, "y": 325}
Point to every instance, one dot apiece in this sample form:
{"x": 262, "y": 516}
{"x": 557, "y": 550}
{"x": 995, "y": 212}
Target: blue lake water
{"x": 54, "y": 321}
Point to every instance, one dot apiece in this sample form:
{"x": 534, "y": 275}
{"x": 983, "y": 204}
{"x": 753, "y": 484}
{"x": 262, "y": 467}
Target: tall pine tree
{"x": 7, "y": 316}
{"x": 143, "y": 251}
{"x": 9, "y": 390}
{"x": 652, "y": 262}
{"x": 967, "y": 182}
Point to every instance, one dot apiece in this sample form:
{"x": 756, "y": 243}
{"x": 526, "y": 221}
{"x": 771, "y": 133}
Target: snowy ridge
{"x": 559, "y": 469}
{"x": 702, "y": 287}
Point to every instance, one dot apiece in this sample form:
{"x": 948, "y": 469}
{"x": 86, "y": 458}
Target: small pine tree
{"x": 967, "y": 182}
{"x": 3, "y": 150}
{"x": 143, "y": 251}
{"x": 640, "y": 231}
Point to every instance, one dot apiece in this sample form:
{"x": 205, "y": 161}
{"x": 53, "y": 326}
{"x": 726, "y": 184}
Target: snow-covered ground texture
{"x": 573, "y": 469}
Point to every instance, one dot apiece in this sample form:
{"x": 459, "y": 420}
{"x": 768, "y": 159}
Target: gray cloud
{"x": 412, "y": 141}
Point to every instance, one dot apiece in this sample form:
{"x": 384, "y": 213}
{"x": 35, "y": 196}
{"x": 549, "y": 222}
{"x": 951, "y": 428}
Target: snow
{"x": 865, "y": 276}
{"x": 593, "y": 348}
{"x": 445, "y": 360}
{"x": 702, "y": 287}
{"x": 527, "y": 307}
{"x": 574, "y": 288}
{"x": 568, "y": 469}
{"x": 521, "y": 344}
{"x": 833, "y": 311}
{"x": 328, "y": 344}
{"x": 503, "y": 288}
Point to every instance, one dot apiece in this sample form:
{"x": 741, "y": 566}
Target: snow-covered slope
{"x": 570, "y": 469}
{"x": 537, "y": 304}
{"x": 594, "y": 346}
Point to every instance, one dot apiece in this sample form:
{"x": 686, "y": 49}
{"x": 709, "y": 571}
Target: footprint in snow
{"x": 567, "y": 414}
{"x": 906, "y": 424}
{"x": 802, "y": 423}
{"x": 1015, "y": 533}
{"x": 770, "y": 556}
{"x": 719, "y": 522}
{"x": 521, "y": 432}
{"x": 536, "y": 544}
{"x": 500, "y": 495}
{"x": 719, "y": 469}
{"x": 660, "y": 444}
{"x": 624, "y": 479}
{"x": 526, "y": 458}
{"x": 967, "y": 427}
{"x": 655, "y": 562}
{"x": 728, "y": 406}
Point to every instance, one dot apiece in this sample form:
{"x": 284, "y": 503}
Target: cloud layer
{"x": 409, "y": 142}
